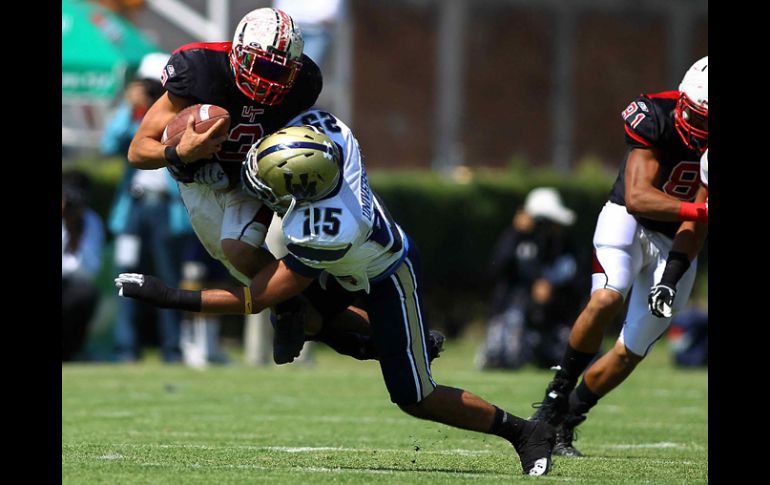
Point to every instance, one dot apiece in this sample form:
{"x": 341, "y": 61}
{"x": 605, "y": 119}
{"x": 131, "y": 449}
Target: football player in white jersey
{"x": 341, "y": 237}
{"x": 661, "y": 297}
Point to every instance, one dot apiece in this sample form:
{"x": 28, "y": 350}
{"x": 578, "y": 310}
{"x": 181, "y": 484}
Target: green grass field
{"x": 333, "y": 422}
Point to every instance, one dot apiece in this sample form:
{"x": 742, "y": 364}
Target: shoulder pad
{"x": 179, "y": 75}
{"x": 644, "y": 122}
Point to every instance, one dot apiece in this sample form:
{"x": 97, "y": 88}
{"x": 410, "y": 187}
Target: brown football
{"x": 205, "y": 117}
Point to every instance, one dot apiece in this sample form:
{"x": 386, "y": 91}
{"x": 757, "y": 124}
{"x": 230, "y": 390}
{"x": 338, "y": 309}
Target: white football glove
{"x": 213, "y": 175}
{"x": 661, "y": 300}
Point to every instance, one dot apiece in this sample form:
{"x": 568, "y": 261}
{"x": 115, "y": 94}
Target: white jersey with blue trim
{"x": 349, "y": 234}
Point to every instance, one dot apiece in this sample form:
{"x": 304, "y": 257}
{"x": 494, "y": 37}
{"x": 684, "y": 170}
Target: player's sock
{"x": 581, "y": 399}
{"x": 573, "y": 363}
{"x": 507, "y": 425}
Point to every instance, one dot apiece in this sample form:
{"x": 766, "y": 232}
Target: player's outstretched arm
{"x": 273, "y": 284}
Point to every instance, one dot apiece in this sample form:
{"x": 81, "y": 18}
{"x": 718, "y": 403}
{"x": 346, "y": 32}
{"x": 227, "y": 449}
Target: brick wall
{"x": 508, "y": 84}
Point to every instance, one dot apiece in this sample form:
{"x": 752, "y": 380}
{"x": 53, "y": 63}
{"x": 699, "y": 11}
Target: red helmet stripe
{"x": 283, "y": 38}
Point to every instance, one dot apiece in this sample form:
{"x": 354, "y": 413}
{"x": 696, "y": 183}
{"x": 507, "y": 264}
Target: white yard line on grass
{"x": 307, "y": 449}
{"x": 112, "y": 456}
{"x": 660, "y": 445}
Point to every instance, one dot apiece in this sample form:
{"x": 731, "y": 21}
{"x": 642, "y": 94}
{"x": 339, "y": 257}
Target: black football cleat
{"x": 554, "y": 406}
{"x": 435, "y": 344}
{"x": 535, "y": 447}
{"x": 565, "y": 435}
{"x": 289, "y": 334}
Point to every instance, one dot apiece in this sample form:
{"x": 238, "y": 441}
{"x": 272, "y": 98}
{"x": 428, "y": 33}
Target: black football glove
{"x": 661, "y": 300}
{"x": 154, "y": 291}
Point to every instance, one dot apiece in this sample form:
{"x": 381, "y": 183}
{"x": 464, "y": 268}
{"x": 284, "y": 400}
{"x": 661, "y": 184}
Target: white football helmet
{"x": 704, "y": 168}
{"x": 692, "y": 109}
{"x": 265, "y": 55}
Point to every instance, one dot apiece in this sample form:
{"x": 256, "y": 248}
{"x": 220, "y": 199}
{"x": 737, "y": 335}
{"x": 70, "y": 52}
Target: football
{"x": 205, "y": 117}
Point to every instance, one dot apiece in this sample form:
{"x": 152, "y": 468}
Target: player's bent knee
{"x": 415, "y": 409}
{"x": 626, "y": 356}
{"x": 606, "y": 299}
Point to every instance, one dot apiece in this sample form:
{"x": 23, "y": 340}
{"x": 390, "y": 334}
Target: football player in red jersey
{"x": 656, "y": 189}
{"x": 263, "y": 80}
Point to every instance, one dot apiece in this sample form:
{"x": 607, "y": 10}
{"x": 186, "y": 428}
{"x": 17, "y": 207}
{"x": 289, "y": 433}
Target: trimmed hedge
{"x": 456, "y": 225}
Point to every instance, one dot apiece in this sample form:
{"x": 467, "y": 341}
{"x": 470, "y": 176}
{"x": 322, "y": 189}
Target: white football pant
{"x": 630, "y": 255}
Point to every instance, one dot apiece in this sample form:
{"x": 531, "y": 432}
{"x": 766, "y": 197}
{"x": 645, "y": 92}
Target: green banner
{"x": 98, "y": 49}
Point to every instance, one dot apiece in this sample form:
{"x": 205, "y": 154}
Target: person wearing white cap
{"x": 656, "y": 197}
{"x": 536, "y": 292}
{"x": 546, "y": 202}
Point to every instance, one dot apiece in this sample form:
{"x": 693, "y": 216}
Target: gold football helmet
{"x": 298, "y": 163}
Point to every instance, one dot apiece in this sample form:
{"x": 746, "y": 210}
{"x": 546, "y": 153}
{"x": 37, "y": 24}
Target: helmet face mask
{"x": 294, "y": 165}
{"x": 265, "y": 55}
{"x": 691, "y": 112}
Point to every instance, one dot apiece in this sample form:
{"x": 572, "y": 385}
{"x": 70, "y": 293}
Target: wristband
{"x": 172, "y": 157}
{"x": 247, "y": 301}
{"x": 677, "y": 265}
{"x": 690, "y": 211}
{"x": 189, "y": 301}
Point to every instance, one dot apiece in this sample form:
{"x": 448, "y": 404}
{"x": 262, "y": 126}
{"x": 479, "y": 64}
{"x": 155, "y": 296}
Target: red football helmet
{"x": 691, "y": 116}
{"x": 265, "y": 55}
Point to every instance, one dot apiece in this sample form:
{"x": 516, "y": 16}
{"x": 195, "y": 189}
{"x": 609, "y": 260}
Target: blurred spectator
{"x": 316, "y": 20}
{"x": 148, "y": 217}
{"x": 200, "y": 332}
{"x": 82, "y": 239}
{"x": 535, "y": 296}
{"x": 688, "y": 337}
